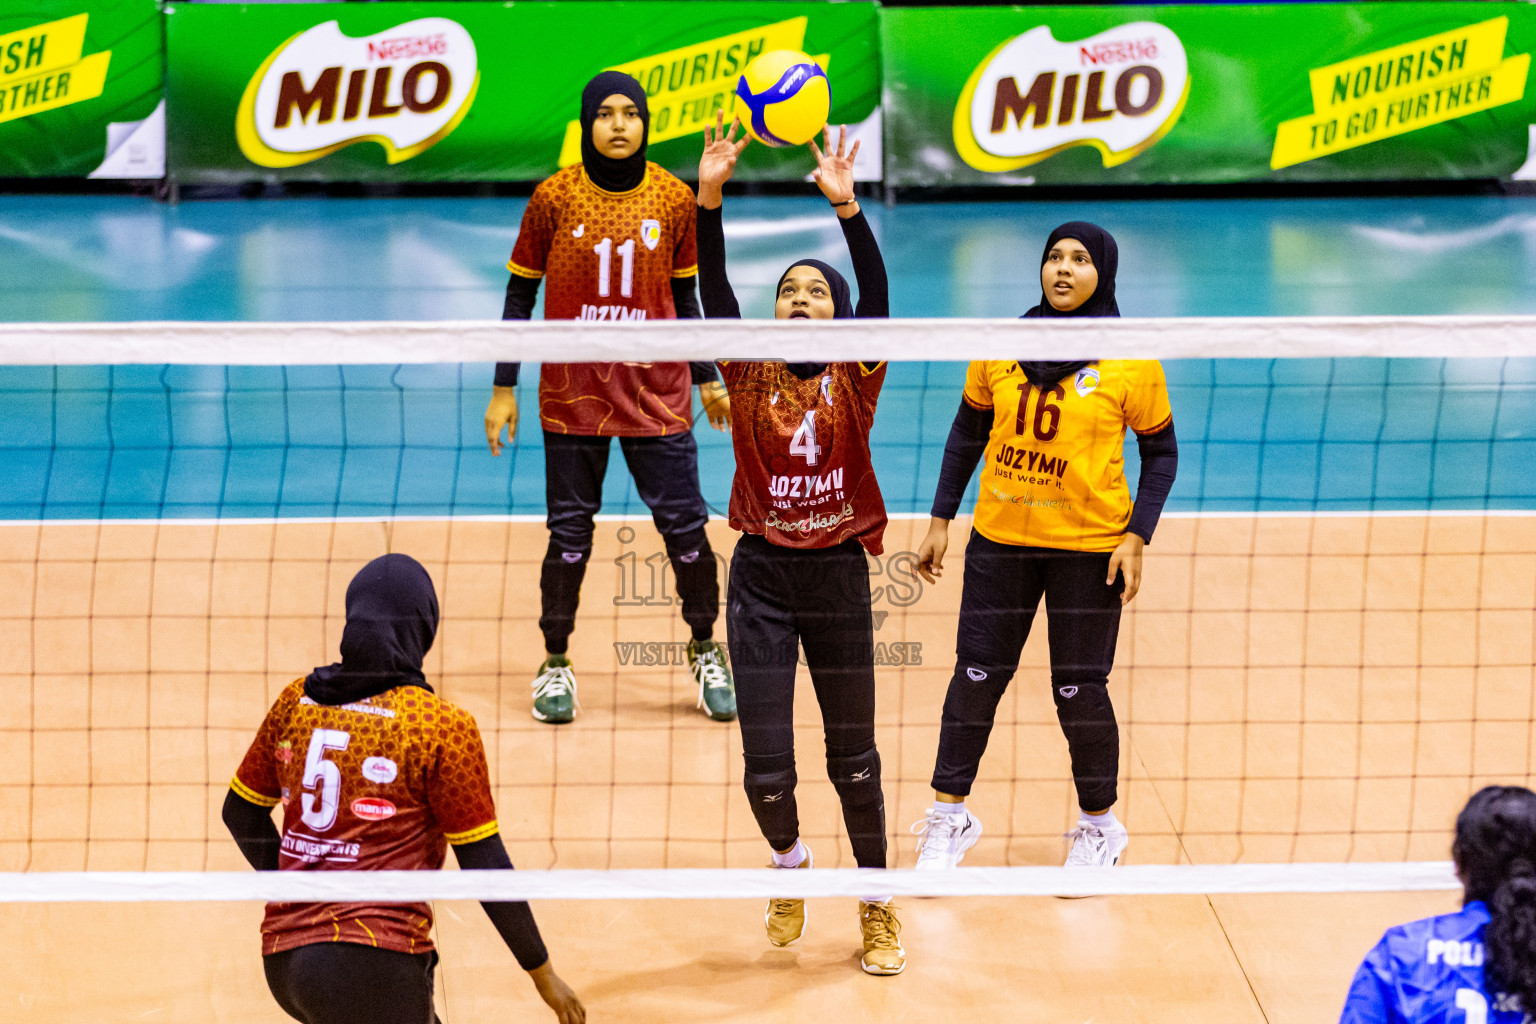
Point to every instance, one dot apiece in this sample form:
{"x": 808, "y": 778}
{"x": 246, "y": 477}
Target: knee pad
{"x": 974, "y": 673}
{"x": 769, "y": 778}
{"x": 856, "y": 778}
{"x": 1081, "y": 698}
{"x": 691, "y": 547}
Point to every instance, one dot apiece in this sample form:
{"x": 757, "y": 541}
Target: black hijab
{"x": 606, "y": 173}
{"x": 1106, "y": 260}
{"x": 391, "y": 622}
{"x": 842, "y": 307}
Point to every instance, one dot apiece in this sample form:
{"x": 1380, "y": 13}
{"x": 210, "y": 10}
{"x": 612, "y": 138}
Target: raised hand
{"x": 718, "y": 161}
{"x": 834, "y": 168}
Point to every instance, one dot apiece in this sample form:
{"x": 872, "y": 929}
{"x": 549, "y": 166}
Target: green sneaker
{"x": 717, "y": 690}
{"x": 554, "y": 691}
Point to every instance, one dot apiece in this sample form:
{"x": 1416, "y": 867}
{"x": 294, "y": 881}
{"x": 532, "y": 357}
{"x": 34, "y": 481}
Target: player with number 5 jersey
{"x": 807, "y": 503}
{"x": 374, "y": 772}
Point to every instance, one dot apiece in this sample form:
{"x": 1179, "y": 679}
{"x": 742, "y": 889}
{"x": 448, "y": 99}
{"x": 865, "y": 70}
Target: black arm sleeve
{"x": 1159, "y": 465}
{"x": 685, "y": 300}
{"x": 868, "y": 268}
{"x": 967, "y": 443}
{"x": 714, "y": 287}
{"x": 253, "y": 830}
{"x": 522, "y": 292}
{"x": 514, "y": 921}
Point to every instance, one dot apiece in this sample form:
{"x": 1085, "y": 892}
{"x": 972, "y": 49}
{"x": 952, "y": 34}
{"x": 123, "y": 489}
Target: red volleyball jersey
{"x": 610, "y": 256}
{"x": 380, "y": 785}
{"x": 803, "y": 472}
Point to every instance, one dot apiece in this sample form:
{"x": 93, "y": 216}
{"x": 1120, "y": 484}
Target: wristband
{"x": 845, "y": 202}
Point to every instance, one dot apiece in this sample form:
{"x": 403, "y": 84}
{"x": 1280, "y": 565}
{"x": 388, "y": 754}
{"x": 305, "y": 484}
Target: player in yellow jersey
{"x": 1054, "y": 519}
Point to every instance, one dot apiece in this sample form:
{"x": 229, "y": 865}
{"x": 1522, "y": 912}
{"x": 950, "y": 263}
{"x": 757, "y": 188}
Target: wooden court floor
{"x": 1289, "y": 688}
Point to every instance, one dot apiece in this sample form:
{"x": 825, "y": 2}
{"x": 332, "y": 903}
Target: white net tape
{"x": 455, "y": 341}
{"x": 727, "y": 883}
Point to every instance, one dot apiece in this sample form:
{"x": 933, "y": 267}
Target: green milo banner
{"x": 402, "y": 92}
{"x": 80, "y": 89}
{"x": 1167, "y": 94}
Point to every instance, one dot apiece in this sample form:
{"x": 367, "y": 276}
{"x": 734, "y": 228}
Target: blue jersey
{"x": 1430, "y": 972}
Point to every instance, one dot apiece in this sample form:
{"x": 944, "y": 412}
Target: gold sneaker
{"x": 785, "y": 918}
{"x": 882, "y": 938}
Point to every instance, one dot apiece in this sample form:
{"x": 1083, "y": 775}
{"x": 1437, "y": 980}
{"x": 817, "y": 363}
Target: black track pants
{"x": 666, "y": 474}
{"x": 779, "y": 599}
{"x": 1001, "y": 593}
{"x": 344, "y": 983}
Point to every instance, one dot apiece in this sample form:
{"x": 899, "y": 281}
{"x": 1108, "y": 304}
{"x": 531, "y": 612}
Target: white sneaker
{"x": 944, "y": 839}
{"x": 1095, "y": 847}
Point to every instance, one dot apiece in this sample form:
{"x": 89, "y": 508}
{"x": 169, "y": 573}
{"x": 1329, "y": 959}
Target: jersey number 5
{"x": 1047, "y": 413}
{"x": 604, "y": 250}
{"x": 324, "y": 778}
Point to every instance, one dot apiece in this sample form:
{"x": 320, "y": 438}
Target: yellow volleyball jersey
{"x": 1054, "y": 471}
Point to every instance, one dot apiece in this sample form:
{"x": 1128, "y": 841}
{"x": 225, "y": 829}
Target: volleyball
{"x": 786, "y": 96}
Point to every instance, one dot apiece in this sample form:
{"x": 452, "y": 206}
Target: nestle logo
{"x": 407, "y": 47}
{"x": 1117, "y": 53}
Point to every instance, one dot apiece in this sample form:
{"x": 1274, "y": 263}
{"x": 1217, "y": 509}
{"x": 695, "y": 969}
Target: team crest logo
{"x": 1087, "y": 380}
{"x": 650, "y": 233}
{"x": 405, "y": 88}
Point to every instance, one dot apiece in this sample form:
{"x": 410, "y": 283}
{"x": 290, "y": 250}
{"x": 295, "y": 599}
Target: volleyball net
{"x": 1332, "y": 647}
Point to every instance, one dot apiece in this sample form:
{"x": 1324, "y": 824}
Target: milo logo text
{"x": 404, "y": 88}
{"x": 1119, "y": 92}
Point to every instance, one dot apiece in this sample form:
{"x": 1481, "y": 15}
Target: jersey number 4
{"x": 604, "y": 250}
{"x": 322, "y": 779}
{"x": 803, "y": 443}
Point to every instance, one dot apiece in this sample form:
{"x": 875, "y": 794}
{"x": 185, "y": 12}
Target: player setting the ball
{"x": 615, "y": 237}
{"x": 808, "y": 505}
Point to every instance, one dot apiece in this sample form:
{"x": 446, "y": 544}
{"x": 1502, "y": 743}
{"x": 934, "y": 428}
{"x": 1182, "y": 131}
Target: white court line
{"x": 639, "y": 518}
{"x": 717, "y": 884}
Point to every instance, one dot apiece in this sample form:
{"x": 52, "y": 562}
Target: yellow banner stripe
{"x": 1397, "y": 113}
{"x": 1418, "y": 63}
{"x": 524, "y": 271}
{"x": 53, "y": 89}
{"x": 32, "y": 51}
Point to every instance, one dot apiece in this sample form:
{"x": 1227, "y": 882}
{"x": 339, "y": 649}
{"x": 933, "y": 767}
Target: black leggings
{"x": 344, "y": 983}
{"x": 666, "y": 474}
{"x": 998, "y": 600}
{"x": 778, "y": 599}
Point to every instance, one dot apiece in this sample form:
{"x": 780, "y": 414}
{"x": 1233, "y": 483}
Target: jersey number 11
{"x": 604, "y": 250}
